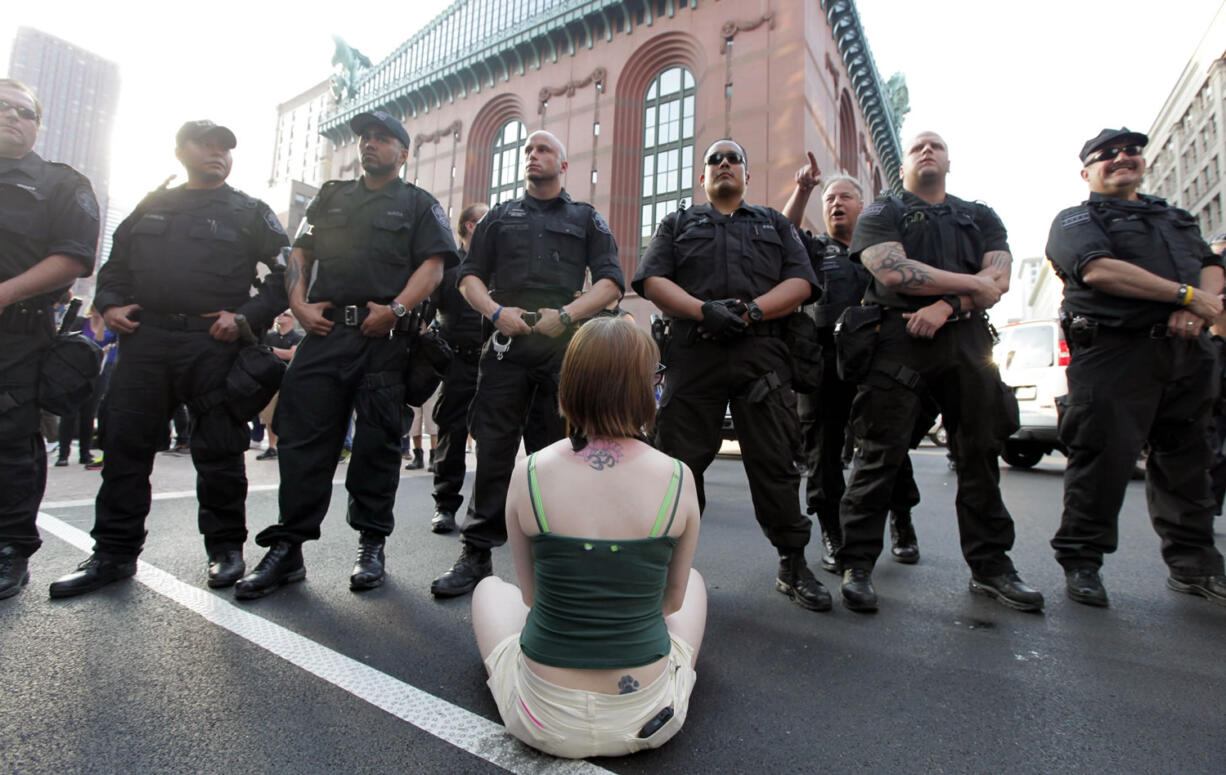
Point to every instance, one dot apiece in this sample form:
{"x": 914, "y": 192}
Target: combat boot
{"x": 226, "y": 566}
{"x": 416, "y": 463}
{"x": 281, "y": 565}
{"x": 473, "y": 565}
{"x": 14, "y": 571}
{"x": 1009, "y": 590}
{"x": 443, "y": 522}
{"x": 858, "y": 592}
{"x": 798, "y": 582}
{"x": 430, "y": 467}
{"x": 905, "y": 546}
{"x": 97, "y": 571}
{"x": 368, "y": 570}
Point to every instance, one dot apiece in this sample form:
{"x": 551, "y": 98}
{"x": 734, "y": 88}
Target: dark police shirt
{"x": 715, "y": 256}
{"x": 45, "y": 209}
{"x": 275, "y": 338}
{"x": 843, "y": 282}
{"x": 365, "y": 245}
{"x": 953, "y": 236}
{"x": 1149, "y": 233}
{"x": 195, "y": 251}
{"x": 533, "y": 253}
{"x": 459, "y": 324}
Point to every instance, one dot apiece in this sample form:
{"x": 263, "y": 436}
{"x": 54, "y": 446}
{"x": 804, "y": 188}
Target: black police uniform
{"x": 738, "y": 256}
{"x": 365, "y": 245}
{"x": 1130, "y": 383}
{"x": 954, "y": 370}
{"x": 280, "y": 341}
{"x": 533, "y": 254}
{"x": 824, "y": 413}
{"x": 45, "y": 209}
{"x": 461, "y": 327}
{"x": 180, "y": 254}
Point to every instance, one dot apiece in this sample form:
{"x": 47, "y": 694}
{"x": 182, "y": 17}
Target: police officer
{"x": 937, "y": 263}
{"x": 528, "y": 254}
{"x": 461, "y": 327}
{"x": 179, "y": 277}
{"x": 725, "y": 273}
{"x": 1140, "y": 288}
{"x": 375, "y": 247}
{"x": 824, "y": 413}
{"x": 48, "y": 236}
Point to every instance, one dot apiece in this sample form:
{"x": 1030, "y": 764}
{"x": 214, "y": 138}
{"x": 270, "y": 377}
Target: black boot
{"x": 830, "y": 551}
{"x": 443, "y": 522}
{"x": 415, "y": 464}
{"x": 368, "y": 570}
{"x": 905, "y": 547}
{"x": 14, "y": 571}
{"x": 798, "y": 582}
{"x": 858, "y": 592}
{"x": 472, "y": 566}
{"x": 1084, "y": 585}
{"x": 1009, "y": 590}
{"x": 281, "y": 565}
{"x": 97, "y": 571}
{"x": 430, "y": 467}
{"x": 226, "y": 566}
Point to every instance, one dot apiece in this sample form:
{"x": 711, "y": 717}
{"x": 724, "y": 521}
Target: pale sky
{"x": 1014, "y": 87}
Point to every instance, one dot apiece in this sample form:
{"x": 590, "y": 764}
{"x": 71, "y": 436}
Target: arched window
{"x": 506, "y": 177}
{"x": 668, "y": 148}
{"x": 847, "y": 136}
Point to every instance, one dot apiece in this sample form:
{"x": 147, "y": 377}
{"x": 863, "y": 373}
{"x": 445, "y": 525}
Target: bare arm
{"x": 807, "y": 178}
{"x": 671, "y": 298}
{"x": 55, "y": 271}
{"x": 1121, "y": 278}
{"x": 783, "y": 299}
{"x": 889, "y": 265}
{"x": 477, "y": 294}
{"x": 521, "y": 550}
{"x": 297, "y": 279}
{"x": 422, "y": 282}
{"x": 998, "y": 264}
{"x": 687, "y": 544}
{"x": 599, "y": 296}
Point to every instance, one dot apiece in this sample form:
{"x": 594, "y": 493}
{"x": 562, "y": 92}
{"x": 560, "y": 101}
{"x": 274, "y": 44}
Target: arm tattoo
{"x": 998, "y": 260}
{"x": 601, "y": 454}
{"x": 626, "y": 684}
{"x": 292, "y": 272}
{"x": 890, "y": 257}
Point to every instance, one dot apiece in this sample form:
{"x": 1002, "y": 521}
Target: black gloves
{"x": 721, "y": 318}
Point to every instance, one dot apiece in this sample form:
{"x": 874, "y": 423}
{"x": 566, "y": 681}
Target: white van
{"x": 1032, "y": 357}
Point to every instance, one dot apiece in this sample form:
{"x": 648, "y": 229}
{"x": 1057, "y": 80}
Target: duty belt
{"x": 176, "y": 322}
{"x": 352, "y": 315}
{"x": 957, "y": 317}
{"x": 777, "y": 328}
{"x": 1156, "y": 331}
{"x": 24, "y": 318}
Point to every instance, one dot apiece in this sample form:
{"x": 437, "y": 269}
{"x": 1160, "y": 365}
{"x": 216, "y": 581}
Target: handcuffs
{"x": 501, "y": 347}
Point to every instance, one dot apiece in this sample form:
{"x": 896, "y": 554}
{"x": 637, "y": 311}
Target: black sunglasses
{"x": 20, "y": 110}
{"x": 732, "y": 157}
{"x": 1111, "y": 153}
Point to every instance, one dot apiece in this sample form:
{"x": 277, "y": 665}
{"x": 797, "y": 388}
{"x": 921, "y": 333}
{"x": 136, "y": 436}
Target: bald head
{"x": 925, "y": 162}
{"x": 541, "y": 135}
{"x": 544, "y": 163}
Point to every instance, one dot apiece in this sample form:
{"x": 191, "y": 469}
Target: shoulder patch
{"x": 876, "y": 208}
{"x": 270, "y": 218}
{"x": 598, "y": 220}
{"x": 87, "y": 201}
{"x": 440, "y": 216}
{"x": 1074, "y": 218}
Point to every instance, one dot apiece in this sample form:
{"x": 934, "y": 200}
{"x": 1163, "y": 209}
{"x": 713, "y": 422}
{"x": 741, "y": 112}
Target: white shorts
{"x": 576, "y": 724}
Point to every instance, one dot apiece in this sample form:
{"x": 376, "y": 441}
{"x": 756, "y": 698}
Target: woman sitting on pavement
{"x": 593, "y": 654}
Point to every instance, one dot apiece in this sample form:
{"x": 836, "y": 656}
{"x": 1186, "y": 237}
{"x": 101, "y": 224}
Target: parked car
{"x": 1033, "y": 357}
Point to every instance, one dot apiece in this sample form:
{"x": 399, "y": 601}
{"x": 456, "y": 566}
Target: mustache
{"x": 1121, "y": 165}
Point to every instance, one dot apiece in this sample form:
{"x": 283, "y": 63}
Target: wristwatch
{"x": 754, "y": 311}
{"x": 398, "y": 309}
{"x": 564, "y": 316}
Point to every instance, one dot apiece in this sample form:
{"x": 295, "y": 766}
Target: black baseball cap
{"x": 1112, "y": 136}
{"x": 198, "y": 130}
{"x": 362, "y": 120}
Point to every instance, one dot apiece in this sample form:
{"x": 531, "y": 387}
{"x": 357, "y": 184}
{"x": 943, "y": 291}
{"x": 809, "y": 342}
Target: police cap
{"x": 362, "y": 120}
{"x": 1110, "y": 136}
{"x": 198, "y": 130}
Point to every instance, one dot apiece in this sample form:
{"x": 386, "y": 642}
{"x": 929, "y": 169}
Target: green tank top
{"x": 599, "y": 603}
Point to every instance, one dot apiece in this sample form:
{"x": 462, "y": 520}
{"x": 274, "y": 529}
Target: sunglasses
{"x": 1111, "y": 153}
{"x": 659, "y": 374}
{"x": 732, "y": 157}
{"x": 20, "y": 110}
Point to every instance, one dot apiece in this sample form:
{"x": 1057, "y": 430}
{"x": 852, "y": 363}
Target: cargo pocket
{"x": 1075, "y": 424}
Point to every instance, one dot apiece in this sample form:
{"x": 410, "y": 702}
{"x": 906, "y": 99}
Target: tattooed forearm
{"x": 889, "y": 264}
{"x": 292, "y": 273}
{"x": 626, "y": 684}
{"x": 601, "y": 454}
{"x": 999, "y": 261}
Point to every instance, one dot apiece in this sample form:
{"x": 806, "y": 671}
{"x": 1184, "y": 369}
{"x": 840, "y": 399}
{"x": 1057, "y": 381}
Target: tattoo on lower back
{"x": 626, "y": 684}
{"x": 601, "y": 454}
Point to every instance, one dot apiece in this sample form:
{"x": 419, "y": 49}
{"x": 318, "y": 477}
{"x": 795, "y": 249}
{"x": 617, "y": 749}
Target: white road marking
{"x": 462, "y": 728}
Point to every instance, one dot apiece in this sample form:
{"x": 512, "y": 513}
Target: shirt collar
{"x": 547, "y": 204}
{"x": 29, "y": 165}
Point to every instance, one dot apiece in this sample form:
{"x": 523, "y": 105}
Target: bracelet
{"x": 1185, "y": 294}
{"x": 497, "y": 312}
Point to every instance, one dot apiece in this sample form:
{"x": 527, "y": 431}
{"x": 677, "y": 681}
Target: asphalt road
{"x": 161, "y": 675}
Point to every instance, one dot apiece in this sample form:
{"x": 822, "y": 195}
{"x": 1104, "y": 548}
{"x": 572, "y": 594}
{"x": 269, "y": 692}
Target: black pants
{"x": 451, "y": 416}
{"x": 823, "y": 426}
{"x": 957, "y": 371}
{"x": 81, "y": 422}
{"x": 505, "y": 392}
{"x": 705, "y": 377}
{"x": 328, "y": 378}
{"x": 23, "y": 455}
{"x": 1124, "y": 391}
{"x": 158, "y": 370}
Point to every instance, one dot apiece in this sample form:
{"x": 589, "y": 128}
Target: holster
{"x": 67, "y": 372}
{"x": 855, "y": 338}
